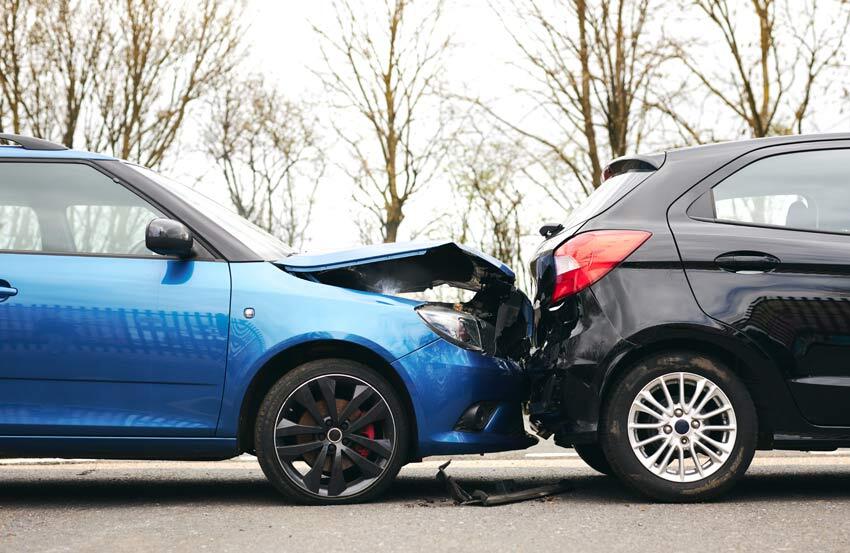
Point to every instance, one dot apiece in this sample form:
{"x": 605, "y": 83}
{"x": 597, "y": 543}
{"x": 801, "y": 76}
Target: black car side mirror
{"x": 169, "y": 237}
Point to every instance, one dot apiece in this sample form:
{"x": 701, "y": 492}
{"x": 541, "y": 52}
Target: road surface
{"x": 787, "y": 502}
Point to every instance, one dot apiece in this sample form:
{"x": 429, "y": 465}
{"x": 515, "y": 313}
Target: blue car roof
{"x": 17, "y": 152}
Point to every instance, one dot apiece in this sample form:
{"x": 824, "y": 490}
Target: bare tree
{"x": 122, "y": 75}
{"x": 24, "y": 68}
{"x": 384, "y": 62}
{"x": 49, "y": 53}
{"x": 13, "y": 39}
{"x": 774, "y": 54}
{"x": 167, "y": 59}
{"x": 268, "y": 153}
{"x": 592, "y": 65}
{"x": 486, "y": 176}
{"x": 79, "y": 45}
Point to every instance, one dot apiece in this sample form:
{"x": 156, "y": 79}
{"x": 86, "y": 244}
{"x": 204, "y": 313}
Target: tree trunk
{"x": 586, "y": 106}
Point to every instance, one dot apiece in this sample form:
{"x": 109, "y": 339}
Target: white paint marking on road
{"x": 548, "y": 455}
{"x": 45, "y": 461}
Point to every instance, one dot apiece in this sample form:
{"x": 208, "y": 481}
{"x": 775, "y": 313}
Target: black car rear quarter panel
{"x": 592, "y": 336}
{"x": 588, "y": 337}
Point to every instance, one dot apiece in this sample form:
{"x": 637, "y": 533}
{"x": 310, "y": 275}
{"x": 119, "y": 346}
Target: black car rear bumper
{"x": 565, "y": 406}
{"x": 575, "y": 347}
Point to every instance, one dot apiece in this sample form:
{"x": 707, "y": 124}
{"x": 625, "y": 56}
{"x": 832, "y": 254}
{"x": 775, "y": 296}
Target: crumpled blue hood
{"x": 403, "y": 267}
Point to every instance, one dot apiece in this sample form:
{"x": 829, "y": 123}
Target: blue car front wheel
{"x": 331, "y": 431}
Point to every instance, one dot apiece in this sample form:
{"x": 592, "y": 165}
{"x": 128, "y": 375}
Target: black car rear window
{"x": 607, "y": 195}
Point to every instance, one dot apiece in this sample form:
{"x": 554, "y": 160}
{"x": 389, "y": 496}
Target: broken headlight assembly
{"x": 461, "y": 329}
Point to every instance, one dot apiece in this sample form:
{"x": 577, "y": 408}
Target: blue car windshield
{"x": 262, "y": 243}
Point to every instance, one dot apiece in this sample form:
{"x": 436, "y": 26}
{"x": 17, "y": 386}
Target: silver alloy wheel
{"x": 682, "y": 427}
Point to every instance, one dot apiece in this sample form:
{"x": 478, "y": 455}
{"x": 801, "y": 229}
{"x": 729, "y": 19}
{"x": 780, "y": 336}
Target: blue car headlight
{"x": 461, "y": 329}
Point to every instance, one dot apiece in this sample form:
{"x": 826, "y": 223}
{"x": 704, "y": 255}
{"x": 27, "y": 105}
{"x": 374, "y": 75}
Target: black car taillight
{"x": 587, "y": 257}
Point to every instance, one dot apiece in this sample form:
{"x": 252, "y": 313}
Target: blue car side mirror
{"x": 169, "y": 237}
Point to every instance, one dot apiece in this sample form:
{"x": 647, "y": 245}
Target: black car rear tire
{"x": 331, "y": 431}
{"x": 679, "y": 427}
{"x": 593, "y": 455}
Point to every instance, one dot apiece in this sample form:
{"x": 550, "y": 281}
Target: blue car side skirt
{"x": 118, "y": 447}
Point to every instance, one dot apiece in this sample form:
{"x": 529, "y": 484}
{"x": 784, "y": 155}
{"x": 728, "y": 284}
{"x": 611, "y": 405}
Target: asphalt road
{"x": 788, "y": 502}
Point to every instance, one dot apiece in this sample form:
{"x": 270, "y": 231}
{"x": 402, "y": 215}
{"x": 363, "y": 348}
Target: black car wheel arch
{"x": 751, "y": 366}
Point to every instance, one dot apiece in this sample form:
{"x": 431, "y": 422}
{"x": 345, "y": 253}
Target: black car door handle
{"x": 747, "y": 262}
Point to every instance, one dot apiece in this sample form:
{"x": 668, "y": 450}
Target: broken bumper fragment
{"x": 506, "y": 491}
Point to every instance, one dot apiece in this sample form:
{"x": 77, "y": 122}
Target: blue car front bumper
{"x": 444, "y": 381}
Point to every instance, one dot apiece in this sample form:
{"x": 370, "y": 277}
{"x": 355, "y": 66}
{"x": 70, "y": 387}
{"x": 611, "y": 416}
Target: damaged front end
{"x": 496, "y": 321}
{"x": 471, "y": 384}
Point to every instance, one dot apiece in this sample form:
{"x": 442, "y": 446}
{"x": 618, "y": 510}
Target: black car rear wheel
{"x": 679, "y": 427}
{"x": 331, "y": 431}
{"x": 593, "y": 455}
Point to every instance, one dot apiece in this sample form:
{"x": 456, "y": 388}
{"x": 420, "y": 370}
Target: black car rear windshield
{"x": 606, "y": 195}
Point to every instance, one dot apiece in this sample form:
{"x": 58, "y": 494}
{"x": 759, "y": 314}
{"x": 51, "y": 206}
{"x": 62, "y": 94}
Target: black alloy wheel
{"x": 331, "y": 431}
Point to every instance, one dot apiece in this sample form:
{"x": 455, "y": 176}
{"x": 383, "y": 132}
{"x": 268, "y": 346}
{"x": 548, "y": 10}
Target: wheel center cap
{"x": 335, "y": 435}
{"x": 682, "y": 426}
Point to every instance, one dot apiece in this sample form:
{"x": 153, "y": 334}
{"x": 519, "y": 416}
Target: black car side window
{"x": 70, "y": 208}
{"x": 801, "y": 190}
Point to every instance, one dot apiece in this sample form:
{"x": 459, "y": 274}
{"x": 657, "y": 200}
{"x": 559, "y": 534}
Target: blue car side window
{"x": 70, "y": 208}
{"x": 19, "y": 230}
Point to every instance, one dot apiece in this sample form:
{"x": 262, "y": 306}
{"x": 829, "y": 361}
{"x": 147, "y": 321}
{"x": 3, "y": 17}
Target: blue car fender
{"x": 289, "y": 312}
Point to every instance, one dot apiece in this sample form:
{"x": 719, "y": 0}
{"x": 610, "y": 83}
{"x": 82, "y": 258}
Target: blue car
{"x": 139, "y": 319}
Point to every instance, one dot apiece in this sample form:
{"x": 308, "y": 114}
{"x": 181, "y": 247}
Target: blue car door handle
{"x": 7, "y": 291}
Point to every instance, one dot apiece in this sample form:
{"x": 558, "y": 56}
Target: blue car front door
{"x": 98, "y": 335}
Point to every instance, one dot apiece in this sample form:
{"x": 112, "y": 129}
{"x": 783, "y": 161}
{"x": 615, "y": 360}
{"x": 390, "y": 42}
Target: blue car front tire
{"x": 332, "y": 431}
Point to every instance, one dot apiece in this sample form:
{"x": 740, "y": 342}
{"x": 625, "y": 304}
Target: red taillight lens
{"x": 587, "y": 257}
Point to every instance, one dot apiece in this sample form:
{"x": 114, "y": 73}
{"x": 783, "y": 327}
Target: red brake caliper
{"x": 369, "y": 432}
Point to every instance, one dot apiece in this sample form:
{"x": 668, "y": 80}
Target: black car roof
{"x": 749, "y": 144}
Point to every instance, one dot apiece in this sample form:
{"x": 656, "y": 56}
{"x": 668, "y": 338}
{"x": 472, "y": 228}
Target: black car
{"x": 697, "y": 308}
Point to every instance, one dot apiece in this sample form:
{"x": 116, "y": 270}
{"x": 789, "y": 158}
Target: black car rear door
{"x": 765, "y": 242}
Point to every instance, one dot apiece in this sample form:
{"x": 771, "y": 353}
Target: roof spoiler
{"x": 30, "y": 143}
{"x": 626, "y": 164}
